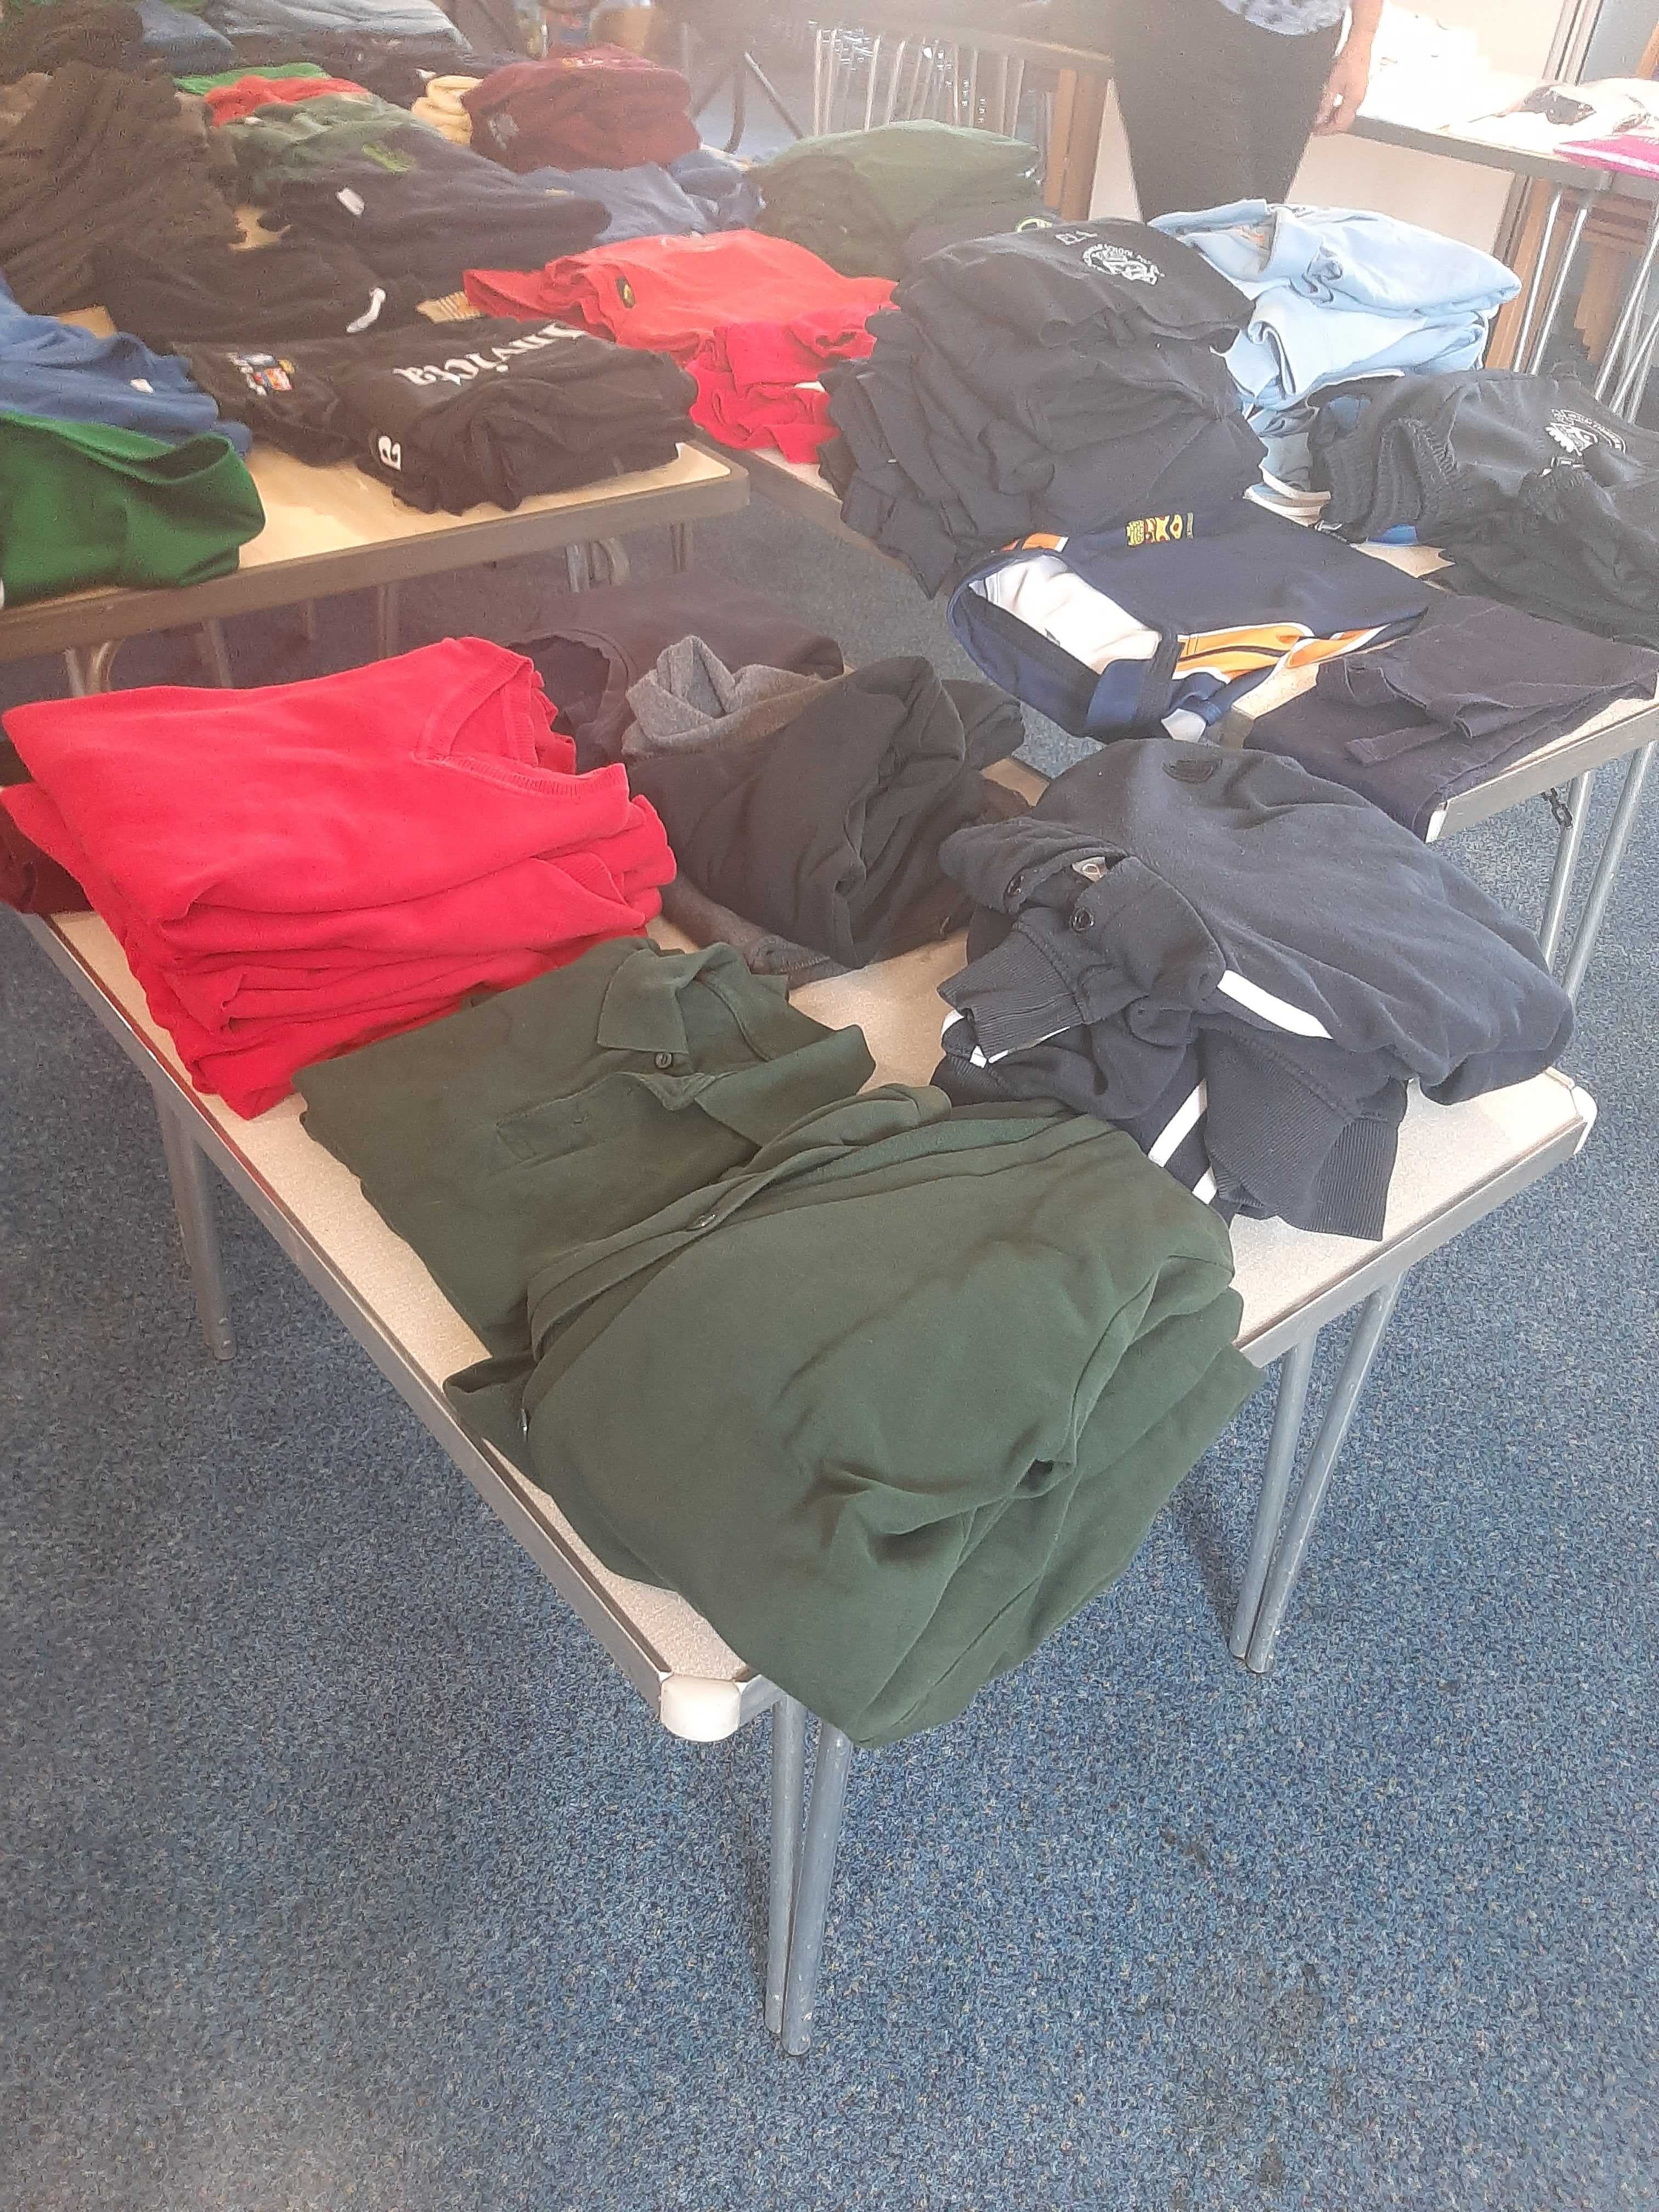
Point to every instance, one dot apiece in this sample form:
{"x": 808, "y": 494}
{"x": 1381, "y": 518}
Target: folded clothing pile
{"x": 610, "y": 638}
{"x": 179, "y": 40}
{"x": 451, "y": 416}
{"x": 758, "y": 383}
{"x": 246, "y": 95}
{"x": 592, "y": 107}
{"x": 101, "y": 34}
{"x": 413, "y": 205}
{"x": 306, "y": 140}
{"x": 674, "y": 292}
{"x": 651, "y": 1165}
{"x": 295, "y": 870}
{"x": 815, "y": 811}
{"x": 83, "y": 504}
{"x": 393, "y": 69}
{"x": 1473, "y": 686}
{"x": 294, "y": 24}
{"x": 30, "y": 882}
{"x": 295, "y": 288}
{"x": 1436, "y": 455}
{"x": 1054, "y": 380}
{"x": 206, "y": 81}
{"x": 854, "y": 196}
{"x": 57, "y": 369}
{"x": 99, "y": 161}
{"x": 1338, "y": 293}
{"x": 643, "y": 202}
{"x": 440, "y": 105}
{"x": 1545, "y": 497}
{"x": 1243, "y": 966}
{"x": 1168, "y": 622}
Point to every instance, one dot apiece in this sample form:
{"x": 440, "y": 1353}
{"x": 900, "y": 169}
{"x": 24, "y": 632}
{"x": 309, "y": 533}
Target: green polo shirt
{"x": 889, "y": 1402}
{"x": 555, "y": 1115}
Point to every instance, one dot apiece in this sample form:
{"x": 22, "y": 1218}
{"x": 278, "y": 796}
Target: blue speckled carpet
{"x": 341, "y": 1870}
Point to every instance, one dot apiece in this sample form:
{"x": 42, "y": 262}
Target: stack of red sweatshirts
{"x": 673, "y": 294}
{"x": 758, "y": 382}
{"x": 296, "y": 871}
{"x": 595, "y": 108}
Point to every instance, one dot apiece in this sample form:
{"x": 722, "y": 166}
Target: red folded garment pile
{"x": 597, "y": 108}
{"x": 673, "y": 293}
{"x": 229, "y": 103}
{"x": 758, "y": 382}
{"x": 297, "y": 871}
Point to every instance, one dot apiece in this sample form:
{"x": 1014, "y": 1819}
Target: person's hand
{"x": 1345, "y": 87}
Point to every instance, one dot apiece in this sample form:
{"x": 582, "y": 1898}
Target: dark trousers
{"x": 1216, "y": 109}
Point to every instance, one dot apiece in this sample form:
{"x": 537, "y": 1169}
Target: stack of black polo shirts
{"x": 417, "y": 207}
{"x": 1545, "y": 498}
{"x": 1061, "y": 380}
{"x": 450, "y": 415}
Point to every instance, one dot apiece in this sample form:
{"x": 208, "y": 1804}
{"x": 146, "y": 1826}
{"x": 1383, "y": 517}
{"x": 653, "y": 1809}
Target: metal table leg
{"x": 679, "y": 546}
{"x": 818, "y": 1867}
{"x": 216, "y": 653}
{"x": 788, "y": 1767}
{"x": 76, "y": 672}
{"x": 193, "y": 1203}
{"x": 1295, "y": 1371}
{"x": 1606, "y": 871}
{"x": 575, "y": 567}
{"x": 388, "y": 613}
{"x": 1374, "y": 1318}
{"x": 1635, "y": 292}
{"x": 1534, "y": 282}
{"x": 1535, "y": 361}
{"x": 1567, "y": 848}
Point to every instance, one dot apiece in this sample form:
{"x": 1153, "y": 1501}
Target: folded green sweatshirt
{"x": 83, "y": 504}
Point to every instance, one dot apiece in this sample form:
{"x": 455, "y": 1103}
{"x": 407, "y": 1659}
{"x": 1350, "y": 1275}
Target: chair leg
{"x": 817, "y": 1865}
{"x": 788, "y": 1765}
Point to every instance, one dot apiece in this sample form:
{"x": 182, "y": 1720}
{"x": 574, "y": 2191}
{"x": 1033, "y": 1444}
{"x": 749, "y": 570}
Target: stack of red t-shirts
{"x": 672, "y": 294}
{"x": 597, "y": 108}
{"x": 230, "y": 103}
{"x": 758, "y": 382}
{"x": 297, "y": 871}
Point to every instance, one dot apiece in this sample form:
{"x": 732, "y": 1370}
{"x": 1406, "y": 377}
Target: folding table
{"x": 1456, "y": 1164}
{"x": 334, "y": 529}
{"x": 1625, "y": 732}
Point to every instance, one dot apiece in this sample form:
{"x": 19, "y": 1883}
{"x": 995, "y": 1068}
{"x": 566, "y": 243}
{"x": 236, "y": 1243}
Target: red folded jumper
{"x": 673, "y": 293}
{"x": 296, "y": 871}
{"x": 758, "y": 382}
{"x": 599, "y": 107}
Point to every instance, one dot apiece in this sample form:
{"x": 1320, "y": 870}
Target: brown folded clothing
{"x": 101, "y": 160}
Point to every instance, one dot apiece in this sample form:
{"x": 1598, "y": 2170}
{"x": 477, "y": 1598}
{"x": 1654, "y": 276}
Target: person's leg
{"x": 1286, "y": 77}
{"x": 1185, "y": 100}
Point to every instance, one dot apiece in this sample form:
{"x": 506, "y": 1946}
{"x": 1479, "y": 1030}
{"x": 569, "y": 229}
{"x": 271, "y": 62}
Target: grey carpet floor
{"x": 342, "y": 1870}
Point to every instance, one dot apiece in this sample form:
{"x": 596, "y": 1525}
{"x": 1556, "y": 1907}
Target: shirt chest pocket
{"x": 626, "y": 1107}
